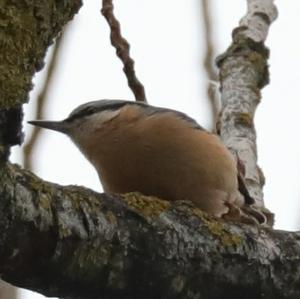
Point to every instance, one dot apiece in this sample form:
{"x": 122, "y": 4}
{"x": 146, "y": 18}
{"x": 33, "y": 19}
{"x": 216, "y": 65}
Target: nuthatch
{"x": 156, "y": 151}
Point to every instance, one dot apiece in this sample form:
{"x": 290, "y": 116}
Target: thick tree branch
{"x": 27, "y": 29}
{"x": 243, "y": 72}
{"x": 71, "y": 242}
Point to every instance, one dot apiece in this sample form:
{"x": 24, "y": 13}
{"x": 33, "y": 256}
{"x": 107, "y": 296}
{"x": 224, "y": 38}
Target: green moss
{"x": 149, "y": 206}
{"x": 45, "y": 202}
{"x": 244, "y": 119}
{"x": 256, "y": 53}
{"x": 64, "y": 232}
{"x": 88, "y": 261}
{"x": 257, "y": 59}
{"x": 26, "y": 31}
{"x": 226, "y": 237}
{"x": 217, "y": 228}
{"x": 111, "y": 218}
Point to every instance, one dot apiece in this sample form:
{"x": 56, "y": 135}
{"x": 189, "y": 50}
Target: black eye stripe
{"x": 104, "y": 105}
{"x": 97, "y": 106}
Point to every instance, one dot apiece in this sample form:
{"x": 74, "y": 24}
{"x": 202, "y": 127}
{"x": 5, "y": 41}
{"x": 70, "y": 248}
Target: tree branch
{"x": 122, "y": 50}
{"x": 29, "y": 28}
{"x": 243, "y": 72}
{"x": 71, "y": 242}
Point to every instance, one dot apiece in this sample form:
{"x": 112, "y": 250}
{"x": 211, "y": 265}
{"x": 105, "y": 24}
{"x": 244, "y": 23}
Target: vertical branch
{"x": 209, "y": 60}
{"x": 28, "y": 148}
{"x": 122, "y": 50}
{"x": 243, "y": 73}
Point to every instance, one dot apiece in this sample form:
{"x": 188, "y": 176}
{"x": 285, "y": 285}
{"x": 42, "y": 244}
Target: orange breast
{"x": 164, "y": 156}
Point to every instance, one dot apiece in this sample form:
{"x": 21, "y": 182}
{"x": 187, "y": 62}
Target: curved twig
{"x": 122, "y": 50}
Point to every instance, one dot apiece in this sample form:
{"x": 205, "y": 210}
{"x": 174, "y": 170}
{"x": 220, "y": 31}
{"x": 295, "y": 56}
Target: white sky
{"x": 167, "y": 45}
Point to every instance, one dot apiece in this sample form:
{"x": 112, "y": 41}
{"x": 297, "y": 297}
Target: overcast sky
{"x": 166, "y": 40}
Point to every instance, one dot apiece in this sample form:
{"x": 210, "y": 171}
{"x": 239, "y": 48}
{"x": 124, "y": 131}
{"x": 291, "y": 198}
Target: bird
{"x": 136, "y": 147}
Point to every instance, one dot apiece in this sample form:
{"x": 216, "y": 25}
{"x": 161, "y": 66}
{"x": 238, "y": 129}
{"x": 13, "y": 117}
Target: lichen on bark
{"x": 27, "y": 30}
{"x": 72, "y": 242}
{"x": 243, "y": 73}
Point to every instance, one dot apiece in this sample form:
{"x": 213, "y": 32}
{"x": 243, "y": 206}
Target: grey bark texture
{"x": 243, "y": 73}
{"x": 71, "y": 242}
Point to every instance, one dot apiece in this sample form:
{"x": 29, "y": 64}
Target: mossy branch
{"x": 27, "y": 30}
{"x": 71, "y": 242}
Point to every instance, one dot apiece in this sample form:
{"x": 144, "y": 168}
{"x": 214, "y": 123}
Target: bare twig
{"x": 122, "y": 50}
{"x": 209, "y": 60}
{"x": 28, "y": 148}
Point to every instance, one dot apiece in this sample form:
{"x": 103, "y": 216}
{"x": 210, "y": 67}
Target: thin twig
{"x": 209, "y": 61}
{"x": 29, "y": 147}
{"x": 122, "y": 50}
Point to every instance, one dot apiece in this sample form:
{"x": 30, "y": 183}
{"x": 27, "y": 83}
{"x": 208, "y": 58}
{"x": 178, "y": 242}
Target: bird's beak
{"x": 59, "y": 126}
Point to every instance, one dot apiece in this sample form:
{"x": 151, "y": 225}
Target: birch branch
{"x": 243, "y": 72}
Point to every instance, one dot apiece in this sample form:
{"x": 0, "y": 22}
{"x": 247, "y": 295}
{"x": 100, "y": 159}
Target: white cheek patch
{"x": 96, "y": 120}
{"x": 90, "y": 124}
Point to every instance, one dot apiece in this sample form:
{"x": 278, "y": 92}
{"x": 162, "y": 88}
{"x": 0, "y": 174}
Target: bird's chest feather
{"x": 162, "y": 158}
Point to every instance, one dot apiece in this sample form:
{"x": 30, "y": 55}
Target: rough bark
{"x": 27, "y": 30}
{"x": 243, "y": 72}
{"x": 71, "y": 242}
